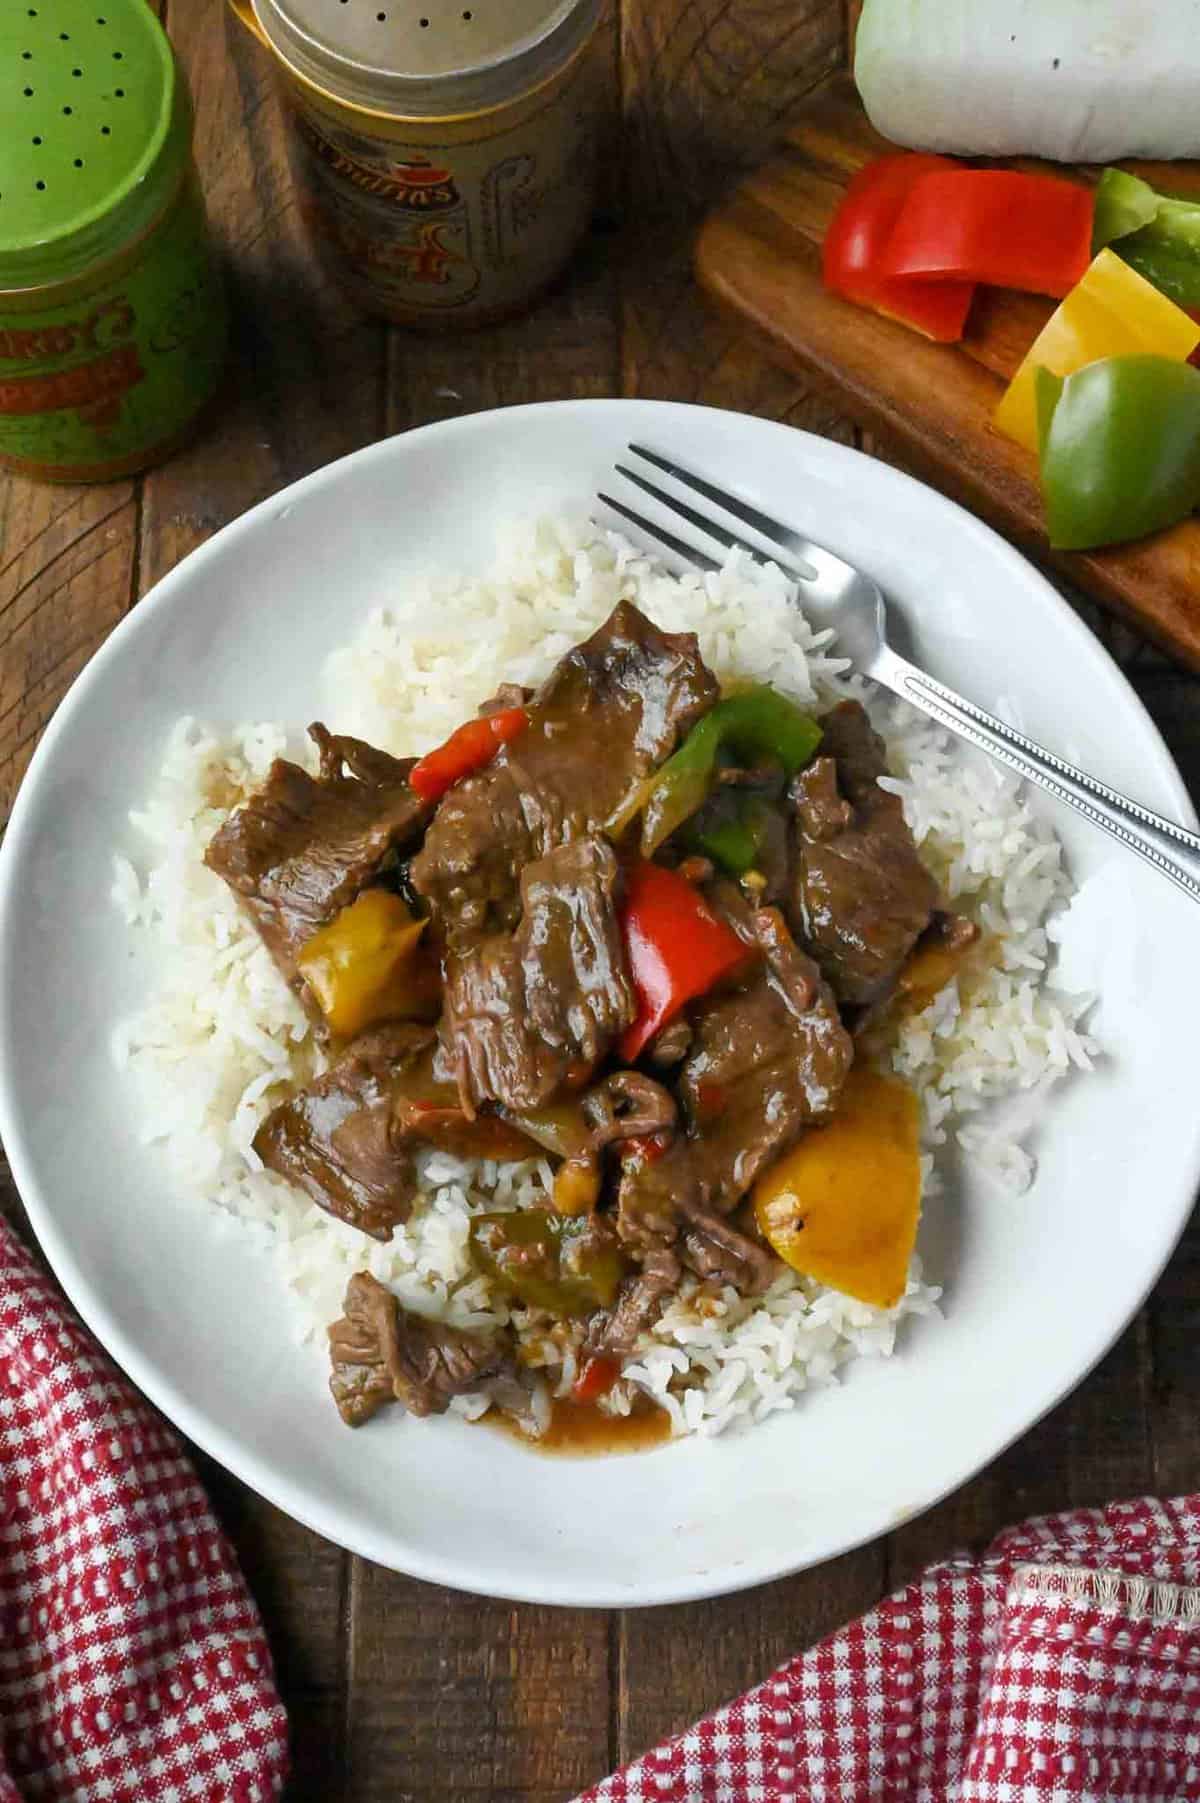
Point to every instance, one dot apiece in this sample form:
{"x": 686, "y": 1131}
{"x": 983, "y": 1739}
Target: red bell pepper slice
{"x": 644, "y": 1148}
{"x": 997, "y": 226}
{"x": 597, "y": 1377}
{"x": 676, "y": 948}
{"x": 858, "y": 235}
{"x": 466, "y": 751}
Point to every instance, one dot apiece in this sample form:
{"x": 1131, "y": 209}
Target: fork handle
{"x": 1169, "y": 847}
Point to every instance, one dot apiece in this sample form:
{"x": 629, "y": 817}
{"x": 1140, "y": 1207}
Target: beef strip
{"x": 628, "y": 1105}
{"x": 714, "y": 1248}
{"x": 609, "y": 713}
{"x": 767, "y": 1059}
{"x": 613, "y": 1333}
{"x": 651, "y": 1193}
{"x": 757, "y": 1075}
{"x": 381, "y": 1353}
{"x": 348, "y": 1138}
{"x": 304, "y": 846}
{"x": 526, "y": 1010}
{"x": 337, "y": 1138}
{"x": 669, "y": 1045}
{"x": 861, "y": 897}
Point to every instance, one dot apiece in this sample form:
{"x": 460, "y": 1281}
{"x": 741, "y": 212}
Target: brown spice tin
{"x": 445, "y": 168}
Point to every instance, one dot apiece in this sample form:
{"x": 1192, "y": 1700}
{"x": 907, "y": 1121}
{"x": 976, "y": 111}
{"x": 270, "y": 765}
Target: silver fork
{"x": 835, "y": 594}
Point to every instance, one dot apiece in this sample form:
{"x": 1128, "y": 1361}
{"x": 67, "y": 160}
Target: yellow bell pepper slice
{"x": 843, "y": 1206}
{"x": 1111, "y": 312}
{"x": 360, "y": 966}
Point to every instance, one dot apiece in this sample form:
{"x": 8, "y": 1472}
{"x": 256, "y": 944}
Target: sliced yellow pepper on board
{"x": 1111, "y": 312}
{"x": 843, "y": 1206}
{"x": 360, "y": 966}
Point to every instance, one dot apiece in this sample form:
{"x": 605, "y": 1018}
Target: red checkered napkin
{"x": 133, "y": 1664}
{"x": 1062, "y": 1667}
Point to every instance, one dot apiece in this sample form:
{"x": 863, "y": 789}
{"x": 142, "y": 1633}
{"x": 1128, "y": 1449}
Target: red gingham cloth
{"x": 133, "y": 1664}
{"x": 1062, "y": 1667}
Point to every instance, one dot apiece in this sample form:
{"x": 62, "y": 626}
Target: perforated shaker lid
{"x": 90, "y": 102}
{"x": 426, "y": 58}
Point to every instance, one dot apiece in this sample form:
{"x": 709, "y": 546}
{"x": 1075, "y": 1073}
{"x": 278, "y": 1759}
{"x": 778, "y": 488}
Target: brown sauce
{"x": 929, "y": 970}
{"x": 579, "y": 1430}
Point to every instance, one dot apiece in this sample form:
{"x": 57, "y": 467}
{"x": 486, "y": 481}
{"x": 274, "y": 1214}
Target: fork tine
{"x": 774, "y": 529}
{"x": 689, "y": 553}
{"x": 730, "y": 540}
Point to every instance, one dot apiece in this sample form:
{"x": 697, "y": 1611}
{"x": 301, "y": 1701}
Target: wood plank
{"x": 758, "y": 256}
{"x": 678, "y": 1663}
{"x": 455, "y": 1699}
{"x": 301, "y": 1585}
{"x": 66, "y": 574}
{"x": 707, "y": 87}
{"x": 1175, "y": 1368}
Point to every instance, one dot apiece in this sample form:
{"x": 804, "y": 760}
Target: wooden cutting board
{"x": 758, "y": 255}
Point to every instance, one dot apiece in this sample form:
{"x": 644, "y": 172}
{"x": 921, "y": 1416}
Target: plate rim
{"x": 207, "y": 1433}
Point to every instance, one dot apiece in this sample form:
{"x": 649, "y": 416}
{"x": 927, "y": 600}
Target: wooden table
{"x": 400, "y": 1693}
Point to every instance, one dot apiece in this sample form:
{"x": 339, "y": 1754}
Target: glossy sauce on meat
{"x": 862, "y": 897}
{"x": 305, "y": 846}
{"x": 520, "y": 876}
{"x": 520, "y": 880}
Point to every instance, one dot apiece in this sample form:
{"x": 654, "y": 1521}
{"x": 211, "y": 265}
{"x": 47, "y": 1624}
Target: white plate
{"x": 1037, "y": 1289}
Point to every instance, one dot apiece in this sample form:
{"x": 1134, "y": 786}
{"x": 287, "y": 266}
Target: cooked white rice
{"x": 221, "y": 1038}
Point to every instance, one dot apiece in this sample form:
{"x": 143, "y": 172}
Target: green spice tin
{"x": 113, "y": 323}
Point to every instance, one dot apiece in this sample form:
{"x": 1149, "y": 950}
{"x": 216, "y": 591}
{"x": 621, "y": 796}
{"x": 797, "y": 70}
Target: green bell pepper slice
{"x": 732, "y": 843}
{"x": 757, "y": 725}
{"x": 548, "y": 1260}
{"x": 1120, "y": 449}
{"x": 1175, "y": 273}
{"x": 733, "y": 832}
{"x": 1156, "y": 234}
{"x": 1124, "y": 203}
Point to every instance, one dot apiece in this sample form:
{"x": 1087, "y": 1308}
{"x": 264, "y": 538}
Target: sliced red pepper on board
{"x": 857, "y": 236}
{"x": 676, "y": 949}
{"x": 998, "y": 226}
{"x": 466, "y": 751}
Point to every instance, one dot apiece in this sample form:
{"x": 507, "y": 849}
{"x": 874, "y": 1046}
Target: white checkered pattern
{"x": 1062, "y": 1667}
{"x": 133, "y": 1665}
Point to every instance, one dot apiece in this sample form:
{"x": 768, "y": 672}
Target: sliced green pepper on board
{"x": 1156, "y": 234}
{"x": 758, "y": 726}
{"x": 1120, "y": 449}
{"x": 1124, "y": 203}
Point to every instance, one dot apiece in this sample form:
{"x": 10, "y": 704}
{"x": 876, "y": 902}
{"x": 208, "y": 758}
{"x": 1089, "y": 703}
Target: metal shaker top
{"x": 426, "y": 58}
{"x": 91, "y": 108}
